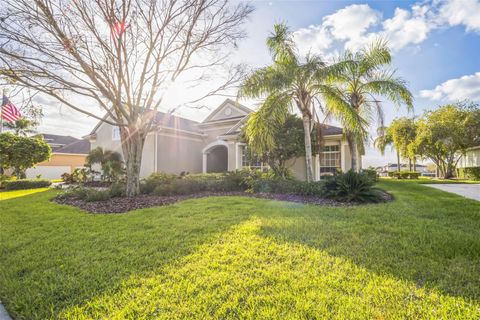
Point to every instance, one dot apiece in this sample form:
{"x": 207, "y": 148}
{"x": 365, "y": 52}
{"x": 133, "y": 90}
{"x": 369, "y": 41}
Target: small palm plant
{"x": 110, "y": 162}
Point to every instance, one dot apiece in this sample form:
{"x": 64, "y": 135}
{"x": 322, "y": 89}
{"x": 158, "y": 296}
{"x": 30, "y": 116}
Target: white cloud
{"x": 357, "y": 25}
{"x": 408, "y": 27}
{"x": 461, "y": 12}
{"x": 466, "y": 87}
{"x": 352, "y": 21}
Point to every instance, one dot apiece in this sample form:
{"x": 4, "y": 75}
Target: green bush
{"x": 97, "y": 195}
{"x": 351, "y": 187}
{"x": 117, "y": 190}
{"x": 26, "y": 184}
{"x": 154, "y": 180}
{"x": 4, "y": 178}
{"x": 180, "y": 187}
{"x": 472, "y": 173}
{"x": 371, "y": 173}
{"x": 404, "y": 174}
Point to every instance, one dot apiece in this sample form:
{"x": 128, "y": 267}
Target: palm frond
{"x": 394, "y": 88}
{"x": 263, "y": 123}
{"x": 263, "y": 81}
{"x": 281, "y": 44}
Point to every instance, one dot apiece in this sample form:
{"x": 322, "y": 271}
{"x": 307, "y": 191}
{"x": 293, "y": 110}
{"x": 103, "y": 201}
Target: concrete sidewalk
{"x": 471, "y": 191}
{"x": 3, "y": 313}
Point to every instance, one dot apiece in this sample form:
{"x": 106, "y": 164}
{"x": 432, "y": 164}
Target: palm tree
{"x": 21, "y": 127}
{"x": 110, "y": 162}
{"x": 284, "y": 85}
{"x": 365, "y": 76}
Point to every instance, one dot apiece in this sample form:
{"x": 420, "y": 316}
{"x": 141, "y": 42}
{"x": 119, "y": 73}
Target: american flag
{"x": 9, "y": 112}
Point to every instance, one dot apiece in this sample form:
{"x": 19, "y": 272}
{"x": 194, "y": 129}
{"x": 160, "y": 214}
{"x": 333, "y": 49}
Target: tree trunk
{"x": 132, "y": 145}
{"x": 308, "y": 147}
{"x": 354, "y": 151}
{"x": 410, "y": 164}
{"x": 415, "y": 164}
{"x": 398, "y": 162}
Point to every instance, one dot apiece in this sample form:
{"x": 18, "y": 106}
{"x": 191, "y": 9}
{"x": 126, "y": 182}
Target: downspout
{"x": 155, "y": 155}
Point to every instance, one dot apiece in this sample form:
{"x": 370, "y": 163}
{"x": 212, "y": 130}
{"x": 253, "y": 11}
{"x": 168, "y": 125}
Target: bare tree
{"x": 120, "y": 55}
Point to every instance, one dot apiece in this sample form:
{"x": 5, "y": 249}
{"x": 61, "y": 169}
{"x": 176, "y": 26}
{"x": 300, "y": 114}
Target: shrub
{"x": 371, "y": 173}
{"x": 404, "y": 174}
{"x": 154, "y": 180}
{"x": 26, "y": 184}
{"x": 97, "y": 195}
{"x": 180, "y": 187}
{"x": 3, "y": 179}
{"x": 351, "y": 187}
{"x": 79, "y": 175}
{"x": 315, "y": 188}
{"x": 117, "y": 190}
{"x": 472, "y": 173}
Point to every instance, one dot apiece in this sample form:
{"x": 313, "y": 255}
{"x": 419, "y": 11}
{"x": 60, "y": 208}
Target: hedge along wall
{"x": 472, "y": 173}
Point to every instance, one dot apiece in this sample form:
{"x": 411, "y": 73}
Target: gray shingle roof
{"x": 77, "y": 147}
{"x": 168, "y": 120}
{"x": 328, "y": 130}
{"x": 57, "y": 141}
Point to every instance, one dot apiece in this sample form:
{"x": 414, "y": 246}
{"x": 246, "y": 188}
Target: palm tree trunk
{"x": 308, "y": 147}
{"x": 398, "y": 161}
{"x": 354, "y": 151}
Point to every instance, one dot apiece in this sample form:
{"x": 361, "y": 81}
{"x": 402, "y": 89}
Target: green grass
{"x": 428, "y": 180}
{"x": 5, "y": 195}
{"x": 233, "y": 257}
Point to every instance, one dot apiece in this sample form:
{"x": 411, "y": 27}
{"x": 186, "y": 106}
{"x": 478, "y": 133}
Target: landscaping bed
{"x": 124, "y": 204}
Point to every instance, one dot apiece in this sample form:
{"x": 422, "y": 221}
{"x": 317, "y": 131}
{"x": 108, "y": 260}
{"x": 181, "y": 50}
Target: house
{"x": 68, "y": 153}
{"x": 470, "y": 159}
{"x": 183, "y": 145}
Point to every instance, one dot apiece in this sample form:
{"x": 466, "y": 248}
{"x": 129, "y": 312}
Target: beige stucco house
{"x": 182, "y": 145}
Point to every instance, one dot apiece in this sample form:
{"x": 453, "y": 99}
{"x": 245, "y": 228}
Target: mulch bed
{"x": 124, "y": 204}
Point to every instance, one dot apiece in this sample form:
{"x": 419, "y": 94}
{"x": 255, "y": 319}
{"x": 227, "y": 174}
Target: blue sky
{"x": 435, "y": 44}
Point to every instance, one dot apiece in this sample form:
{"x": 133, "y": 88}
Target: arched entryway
{"x": 215, "y": 157}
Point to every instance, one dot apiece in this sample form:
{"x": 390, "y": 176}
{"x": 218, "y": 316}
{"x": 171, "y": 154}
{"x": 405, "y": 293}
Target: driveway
{"x": 471, "y": 191}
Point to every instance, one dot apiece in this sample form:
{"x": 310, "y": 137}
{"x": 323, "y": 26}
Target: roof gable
{"x": 229, "y": 109}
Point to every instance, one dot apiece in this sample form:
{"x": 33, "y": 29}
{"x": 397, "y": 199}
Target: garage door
{"x": 47, "y": 172}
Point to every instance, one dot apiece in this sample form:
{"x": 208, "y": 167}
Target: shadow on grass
{"x": 245, "y": 275}
{"x": 426, "y": 236}
{"x": 54, "y": 257}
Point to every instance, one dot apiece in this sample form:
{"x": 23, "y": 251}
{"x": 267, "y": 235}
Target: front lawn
{"x": 236, "y": 257}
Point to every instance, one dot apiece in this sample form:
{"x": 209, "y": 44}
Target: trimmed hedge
{"x": 22, "y": 184}
{"x": 404, "y": 174}
{"x": 472, "y": 173}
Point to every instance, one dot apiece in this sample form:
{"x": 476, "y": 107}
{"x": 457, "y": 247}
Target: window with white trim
{"x": 329, "y": 160}
{"x": 245, "y": 161}
{"x": 115, "y": 134}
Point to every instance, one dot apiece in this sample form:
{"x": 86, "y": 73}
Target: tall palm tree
{"x": 287, "y": 84}
{"x": 365, "y": 76}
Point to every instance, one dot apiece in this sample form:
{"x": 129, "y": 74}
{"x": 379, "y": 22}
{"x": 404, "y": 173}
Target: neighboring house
{"x": 68, "y": 153}
{"x": 390, "y": 167}
{"x": 470, "y": 159}
{"x": 182, "y": 145}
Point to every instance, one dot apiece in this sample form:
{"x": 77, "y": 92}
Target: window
{"x": 329, "y": 160}
{"x": 116, "y": 134}
{"x": 246, "y": 162}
